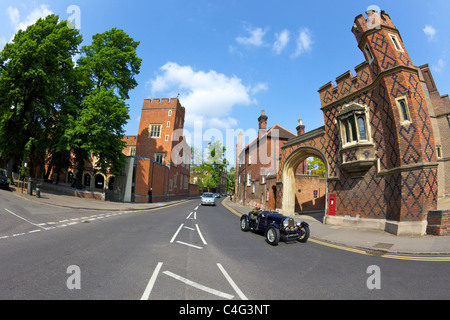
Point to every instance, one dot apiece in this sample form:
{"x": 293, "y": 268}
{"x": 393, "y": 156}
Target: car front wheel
{"x": 273, "y": 236}
{"x": 244, "y": 225}
{"x": 303, "y": 234}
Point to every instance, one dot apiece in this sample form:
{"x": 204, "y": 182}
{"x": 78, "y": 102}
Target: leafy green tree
{"x": 107, "y": 74}
{"x": 231, "y": 180}
{"x": 215, "y": 163}
{"x": 316, "y": 167}
{"x": 33, "y": 72}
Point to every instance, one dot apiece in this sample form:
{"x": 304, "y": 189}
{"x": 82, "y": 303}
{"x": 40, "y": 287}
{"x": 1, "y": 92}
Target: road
{"x": 185, "y": 252}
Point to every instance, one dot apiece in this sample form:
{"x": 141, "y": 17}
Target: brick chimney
{"x": 300, "y": 128}
{"x": 263, "y": 121}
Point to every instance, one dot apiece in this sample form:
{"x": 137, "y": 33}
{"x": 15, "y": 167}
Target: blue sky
{"x": 231, "y": 59}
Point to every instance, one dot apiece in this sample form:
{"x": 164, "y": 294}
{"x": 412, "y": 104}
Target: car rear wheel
{"x": 273, "y": 236}
{"x": 303, "y": 234}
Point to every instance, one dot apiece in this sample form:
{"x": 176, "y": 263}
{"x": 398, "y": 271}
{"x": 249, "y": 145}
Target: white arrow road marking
{"x": 199, "y": 286}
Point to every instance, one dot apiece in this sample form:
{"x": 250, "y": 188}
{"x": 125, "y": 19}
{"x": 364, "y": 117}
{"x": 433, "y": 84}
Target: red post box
{"x": 332, "y": 205}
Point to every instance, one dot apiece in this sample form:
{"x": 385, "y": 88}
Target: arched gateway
{"x": 377, "y": 143}
{"x": 289, "y": 171}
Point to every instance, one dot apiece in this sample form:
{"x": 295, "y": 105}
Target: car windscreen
{"x": 208, "y": 195}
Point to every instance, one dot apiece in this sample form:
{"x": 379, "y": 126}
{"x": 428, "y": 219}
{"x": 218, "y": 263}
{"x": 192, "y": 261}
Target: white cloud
{"x": 3, "y": 42}
{"x": 430, "y": 32}
{"x": 255, "y": 38}
{"x": 14, "y": 15}
{"x": 282, "y": 39}
{"x": 440, "y": 66}
{"x": 304, "y": 42}
{"x": 208, "y": 96}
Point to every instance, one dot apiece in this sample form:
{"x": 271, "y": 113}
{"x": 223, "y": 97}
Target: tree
{"x": 215, "y": 163}
{"x": 34, "y": 68}
{"x": 231, "y": 180}
{"x": 316, "y": 167}
{"x": 106, "y": 75}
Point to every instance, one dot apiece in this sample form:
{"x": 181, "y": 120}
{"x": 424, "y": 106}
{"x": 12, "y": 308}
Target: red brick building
{"x": 258, "y": 163}
{"x": 159, "y": 156}
{"x": 384, "y": 142}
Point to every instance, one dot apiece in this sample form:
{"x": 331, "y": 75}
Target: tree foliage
{"x": 55, "y": 112}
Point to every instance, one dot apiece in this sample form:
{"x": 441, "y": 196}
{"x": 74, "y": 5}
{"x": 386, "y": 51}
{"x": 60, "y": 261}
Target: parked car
{"x": 217, "y": 195}
{"x": 4, "y": 182}
{"x": 208, "y": 199}
{"x": 275, "y": 226}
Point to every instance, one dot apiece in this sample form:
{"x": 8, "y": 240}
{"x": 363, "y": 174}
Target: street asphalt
{"x": 369, "y": 240}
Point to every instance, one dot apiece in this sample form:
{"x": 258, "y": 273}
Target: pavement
{"x": 370, "y": 241}
{"x": 72, "y": 202}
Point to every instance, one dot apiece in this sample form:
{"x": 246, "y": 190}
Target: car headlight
{"x": 285, "y": 223}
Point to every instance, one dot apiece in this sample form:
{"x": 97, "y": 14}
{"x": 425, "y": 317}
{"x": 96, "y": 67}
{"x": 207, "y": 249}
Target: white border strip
{"x": 199, "y": 286}
{"x": 176, "y": 234}
{"x": 232, "y": 283}
{"x": 151, "y": 283}
{"x": 201, "y": 236}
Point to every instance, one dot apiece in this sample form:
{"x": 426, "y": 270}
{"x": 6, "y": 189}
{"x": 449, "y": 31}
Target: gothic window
{"x": 405, "y": 116}
{"x": 353, "y": 123}
{"x": 396, "y": 42}
{"x": 362, "y": 128}
{"x": 368, "y": 53}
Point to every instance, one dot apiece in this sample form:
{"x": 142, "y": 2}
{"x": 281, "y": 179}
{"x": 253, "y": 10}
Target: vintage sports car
{"x": 275, "y": 226}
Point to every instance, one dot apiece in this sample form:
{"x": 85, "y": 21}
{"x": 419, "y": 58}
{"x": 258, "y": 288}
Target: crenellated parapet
{"x": 346, "y": 84}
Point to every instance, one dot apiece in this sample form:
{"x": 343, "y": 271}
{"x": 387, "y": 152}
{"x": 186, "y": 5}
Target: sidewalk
{"x": 72, "y": 202}
{"x": 367, "y": 240}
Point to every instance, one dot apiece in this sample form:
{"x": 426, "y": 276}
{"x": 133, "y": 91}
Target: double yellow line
{"x": 381, "y": 255}
{"x": 364, "y": 252}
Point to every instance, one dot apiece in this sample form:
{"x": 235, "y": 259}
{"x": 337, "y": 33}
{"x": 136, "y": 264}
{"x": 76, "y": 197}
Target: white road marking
{"x": 201, "y": 236}
{"x": 199, "y": 286}
{"x": 176, "y": 234}
{"x": 189, "y": 228}
{"x": 189, "y": 216}
{"x": 232, "y": 283}
{"x": 195, "y": 215}
{"x": 196, "y": 208}
{"x": 36, "y": 225}
{"x": 189, "y": 245}
{"x": 151, "y": 283}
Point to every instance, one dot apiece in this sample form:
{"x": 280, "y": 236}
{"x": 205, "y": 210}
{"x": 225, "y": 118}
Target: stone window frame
{"x": 439, "y": 151}
{"x": 155, "y": 133}
{"x": 350, "y": 127}
{"x": 403, "y": 110}
{"x": 160, "y": 156}
{"x": 369, "y": 53}
{"x": 396, "y": 42}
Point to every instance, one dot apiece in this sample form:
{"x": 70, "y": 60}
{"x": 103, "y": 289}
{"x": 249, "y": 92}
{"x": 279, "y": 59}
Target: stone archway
{"x": 288, "y": 176}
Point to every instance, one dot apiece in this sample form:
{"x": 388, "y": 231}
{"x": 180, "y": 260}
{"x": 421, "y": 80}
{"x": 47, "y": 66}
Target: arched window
{"x": 403, "y": 108}
{"x": 99, "y": 181}
{"x": 362, "y": 128}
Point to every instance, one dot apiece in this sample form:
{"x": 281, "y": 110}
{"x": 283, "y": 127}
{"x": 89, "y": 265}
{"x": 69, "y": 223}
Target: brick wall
{"x": 439, "y": 223}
